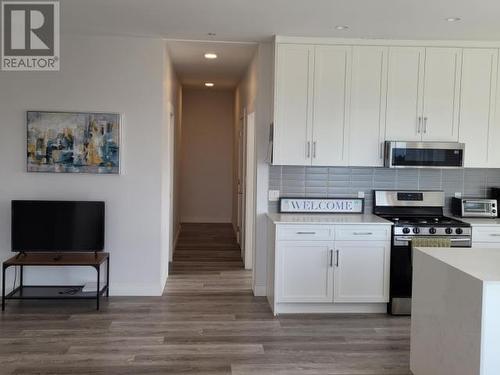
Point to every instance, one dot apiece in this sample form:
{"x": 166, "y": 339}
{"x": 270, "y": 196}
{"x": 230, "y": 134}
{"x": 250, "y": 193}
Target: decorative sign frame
{"x": 322, "y": 205}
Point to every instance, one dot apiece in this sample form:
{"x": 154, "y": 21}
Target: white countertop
{"x": 327, "y": 219}
{"x": 483, "y": 264}
{"x": 479, "y": 221}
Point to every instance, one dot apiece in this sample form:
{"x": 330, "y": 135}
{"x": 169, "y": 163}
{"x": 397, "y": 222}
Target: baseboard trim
{"x": 322, "y": 308}
{"x": 202, "y": 220}
{"x": 135, "y": 290}
{"x": 259, "y": 290}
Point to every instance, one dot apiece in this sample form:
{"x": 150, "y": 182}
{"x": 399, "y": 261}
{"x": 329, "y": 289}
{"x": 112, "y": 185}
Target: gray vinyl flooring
{"x": 206, "y": 323}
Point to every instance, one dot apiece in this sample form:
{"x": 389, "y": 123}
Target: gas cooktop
{"x": 424, "y": 221}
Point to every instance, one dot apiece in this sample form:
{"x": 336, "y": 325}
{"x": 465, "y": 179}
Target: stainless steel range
{"x": 414, "y": 214}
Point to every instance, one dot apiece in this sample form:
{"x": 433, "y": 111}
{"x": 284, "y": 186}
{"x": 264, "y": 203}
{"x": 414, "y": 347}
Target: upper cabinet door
{"x": 404, "y": 93}
{"x": 329, "y": 135}
{"x": 367, "y": 106}
{"x": 293, "y": 104}
{"x": 479, "y": 70}
{"x": 441, "y": 94}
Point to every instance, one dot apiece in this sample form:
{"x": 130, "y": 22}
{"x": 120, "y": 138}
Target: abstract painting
{"x": 73, "y": 142}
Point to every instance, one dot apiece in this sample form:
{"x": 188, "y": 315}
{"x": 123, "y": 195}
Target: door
{"x": 329, "y": 136}
{"x": 479, "y": 67}
{"x": 441, "y": 94}
{"x": 367, "y": 106}
{"x": 305, "y": 271}
{"x": 293, "y": 104}
{"x": 404, "y": 93}
{"x": 361, "y": 271}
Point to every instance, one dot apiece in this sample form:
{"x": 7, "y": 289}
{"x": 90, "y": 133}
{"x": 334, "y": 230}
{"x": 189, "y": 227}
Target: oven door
{"x": 424, "y": 154}
{"x": 401, "y": 272}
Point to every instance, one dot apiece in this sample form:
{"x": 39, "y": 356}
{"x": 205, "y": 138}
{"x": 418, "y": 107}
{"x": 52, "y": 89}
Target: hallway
{"x": 207, "y": 260}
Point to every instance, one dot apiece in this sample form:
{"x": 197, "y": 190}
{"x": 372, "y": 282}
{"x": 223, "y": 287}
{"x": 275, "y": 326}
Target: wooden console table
{"x": 94, "y": 260}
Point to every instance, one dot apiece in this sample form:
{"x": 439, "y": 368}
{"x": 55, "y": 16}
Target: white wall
{"x": 115, "y": 74}
{"x": 207, "y": 155}
{"x": 169, "y": 218}
{"x": 255, "y": 92}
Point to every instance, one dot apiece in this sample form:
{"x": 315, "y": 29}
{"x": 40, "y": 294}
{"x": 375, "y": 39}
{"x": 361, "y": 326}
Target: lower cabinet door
{"x": 305, "y": 271}
{"x": 361, "y": 271}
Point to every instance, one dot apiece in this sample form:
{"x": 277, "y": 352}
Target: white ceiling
{"x": 257, "y": 20}
{"x": 225, "y": 71}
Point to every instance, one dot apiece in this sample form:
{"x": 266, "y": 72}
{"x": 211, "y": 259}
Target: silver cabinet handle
{"x": 314, "y": 149}
{"x": 362, "y": 233}
{"x": 419, "y": 124}
{"x": 425, "y": 125}
{"x": 308, "y": 150}
{"x": 338, "y": 256}
{"x": 331, "y": 258}
{"x": 306, "y": 233}
{"x": 495, "y": 234}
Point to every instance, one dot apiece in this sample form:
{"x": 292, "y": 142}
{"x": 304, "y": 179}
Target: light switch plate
{"x": 458, "y": 194}
{"x": 274, "y": 195}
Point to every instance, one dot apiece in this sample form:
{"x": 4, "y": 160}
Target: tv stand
{"x": 21, "y": 254}
{"x": 94, "y": 260}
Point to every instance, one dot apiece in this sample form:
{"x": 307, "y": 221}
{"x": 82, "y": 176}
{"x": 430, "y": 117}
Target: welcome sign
{"x": 322, "y": 205}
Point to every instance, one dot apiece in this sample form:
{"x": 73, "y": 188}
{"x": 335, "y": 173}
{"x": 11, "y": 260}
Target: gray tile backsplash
{"x": 347, "y": 181}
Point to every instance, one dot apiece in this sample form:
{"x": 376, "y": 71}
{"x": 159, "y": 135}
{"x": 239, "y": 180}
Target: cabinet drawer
{"x": 486, "y": 245}
{"x": 486, "y": 234}
{"x": 362, "y": 233}
{"x": 305, "y": 232}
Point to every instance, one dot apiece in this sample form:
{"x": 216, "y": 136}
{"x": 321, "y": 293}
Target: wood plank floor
{"x": 206, "y": 323}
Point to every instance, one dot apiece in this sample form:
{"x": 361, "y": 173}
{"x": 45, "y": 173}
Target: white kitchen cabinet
{"x": 293, "y": 104}
{"x": 335, "y": 264}
{"x": 404, "y": 93}
{"x": 311, "y": 104}
{"x": 441, "y": 94}
{"x": 305, "y": 271}
{"x": 361, "y": 271}
{"x": 329, "y": 133}
{"x": 477, "y": 104}
{"x": 422, "y": 94}
{"x": 367, "y": 106}
{"x": 486, "y": 236}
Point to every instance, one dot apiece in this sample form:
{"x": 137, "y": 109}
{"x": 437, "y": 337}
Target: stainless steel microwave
{"x": 401, "y": 154}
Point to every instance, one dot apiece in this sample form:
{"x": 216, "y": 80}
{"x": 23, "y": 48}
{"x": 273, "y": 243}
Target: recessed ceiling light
{"x": 210, "y": 55}
{"x": 209, "y": 84}
{"x": 453, "y": 19}
{"x": 342, "y": 27}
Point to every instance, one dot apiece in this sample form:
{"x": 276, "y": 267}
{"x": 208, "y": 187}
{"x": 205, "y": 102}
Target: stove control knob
{"x": 406, "y": 230}
{"x": 416, "y": 230}
{"x": 448, "y": 231}
{"x": 459, "y": 231}
{"x": 432, "y": 230}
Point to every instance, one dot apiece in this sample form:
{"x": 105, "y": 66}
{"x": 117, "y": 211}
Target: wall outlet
{"x": 361, "y": 194}
{"x": 274, "y": 195}
{"x": 458, "y": 194}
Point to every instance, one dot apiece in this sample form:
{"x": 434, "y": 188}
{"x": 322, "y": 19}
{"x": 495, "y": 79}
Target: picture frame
{"x": 73, "y": 142}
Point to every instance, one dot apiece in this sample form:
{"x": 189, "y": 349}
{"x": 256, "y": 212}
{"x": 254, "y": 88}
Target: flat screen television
{"x": 57, "y": 226}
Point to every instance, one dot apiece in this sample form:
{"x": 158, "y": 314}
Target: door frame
{"x": 250, "y": 190}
